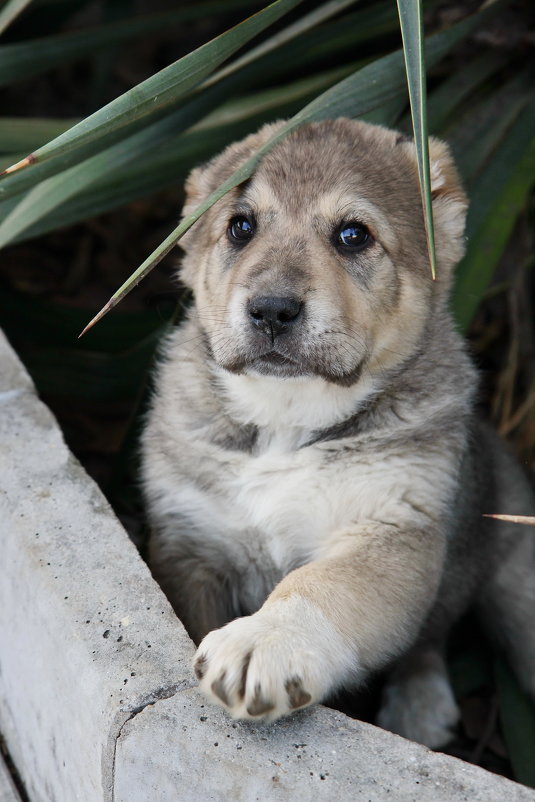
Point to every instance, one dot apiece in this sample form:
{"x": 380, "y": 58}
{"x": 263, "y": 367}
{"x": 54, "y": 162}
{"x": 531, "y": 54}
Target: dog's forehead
{"x": 327, "y": 165}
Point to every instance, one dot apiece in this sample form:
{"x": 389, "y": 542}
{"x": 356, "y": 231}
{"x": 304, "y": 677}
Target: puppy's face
{"x": 318, "y": 266}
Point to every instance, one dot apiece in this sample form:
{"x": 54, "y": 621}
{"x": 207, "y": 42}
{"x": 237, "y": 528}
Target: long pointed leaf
{"x": 361, "y": 25}
{"x": 479, "y": 132}
{"x": 18, "y": 61}
{"x": 320, "y": 14}
{"x": 11, "y": 11}
{"x": 442, "y": 102}
{"x": 21, "y": 134}
{"x": 160, "y": 91}
{"x": 331, "y": 38}
{"x": 169, "y": 164}
{"x": 410, "y": 17}
{"x": 54, "y": 191}
{"x": 374, "y": 85}
{"x": 497, "y": 198}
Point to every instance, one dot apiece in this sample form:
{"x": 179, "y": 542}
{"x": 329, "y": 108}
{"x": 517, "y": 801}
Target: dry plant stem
{"x": 527, "y": 520}
{"x": 19, "y": 165}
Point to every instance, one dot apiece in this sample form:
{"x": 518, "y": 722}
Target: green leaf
{"x": 497, "y": 198}
{"x": 376, "y": 84}
{"x": 56, "y": 190}
{"x": 329, "y": 40}
{"x": 477, "y": 134}
{"x": 286, "y": 35}
{"x": 8, "y": 205}
{"x": 271, "y": 100}
{"x": 356, "y": 28}
{"x": 410, "y": 17}
{"x": 21, "y": 134}
{"x": 18, "y": 61}
{"x": 152, "y": 164}
{"x": 11, "y": 11}
{"x": 361, "y": 25}
{"x": 157, "y": 94}
{"x": 517, "y": 715}
{"x": 447, "y": 98}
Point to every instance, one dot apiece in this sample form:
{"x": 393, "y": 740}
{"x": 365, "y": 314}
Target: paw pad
{"x": 259, "y": 704}
{"x": 200, "y": 666}
{"x": 218, "y": 689}
{"x": 297, "y": 695}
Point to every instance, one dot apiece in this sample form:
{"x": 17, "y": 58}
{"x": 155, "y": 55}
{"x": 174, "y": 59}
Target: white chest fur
{"x": 273, "y": 503}
{"x": 276, "y": 507}
{"x": 284, "y": 501}
{"x": 280, "y": 492}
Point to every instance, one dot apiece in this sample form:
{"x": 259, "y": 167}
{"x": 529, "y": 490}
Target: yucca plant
{"x": 336, "y": 58}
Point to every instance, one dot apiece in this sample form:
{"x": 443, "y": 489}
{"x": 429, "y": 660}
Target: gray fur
{"x": 208, "y": 551}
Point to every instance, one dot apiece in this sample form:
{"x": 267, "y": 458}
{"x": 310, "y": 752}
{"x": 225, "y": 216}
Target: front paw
{"x": 264, "y": 666}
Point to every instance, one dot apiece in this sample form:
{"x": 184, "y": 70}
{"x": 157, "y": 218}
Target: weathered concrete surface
{"x": 96, "y": 703}
{"x": 86, "y": 636}
{"x": 177, "y": 751}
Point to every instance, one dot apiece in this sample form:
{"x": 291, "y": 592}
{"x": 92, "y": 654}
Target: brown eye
{"x": 352, "y": 237}
{"x": 240, "y": 229}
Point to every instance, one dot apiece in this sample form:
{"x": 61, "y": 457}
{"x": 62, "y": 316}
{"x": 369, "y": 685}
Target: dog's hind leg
{"x": 418, "y": 701}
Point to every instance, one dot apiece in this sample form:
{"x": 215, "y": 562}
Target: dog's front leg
{"x": 326, "y": 624}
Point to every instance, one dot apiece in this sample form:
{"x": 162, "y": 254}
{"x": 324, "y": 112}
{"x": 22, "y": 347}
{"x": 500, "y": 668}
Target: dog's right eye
{"x": 240, "y": 229}
{"x": 352, "y": 237}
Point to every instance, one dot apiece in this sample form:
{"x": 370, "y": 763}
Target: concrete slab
{"x": 86, "y": 636}
{"x": 177, "y": 751}
{"x": 96, "y": 696}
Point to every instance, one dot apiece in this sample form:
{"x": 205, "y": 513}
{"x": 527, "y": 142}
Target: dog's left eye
{"x": 352, "y": 236}
{"x": 240, "y": 229}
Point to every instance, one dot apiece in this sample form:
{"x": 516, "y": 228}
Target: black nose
{"x": 273, "y": 315}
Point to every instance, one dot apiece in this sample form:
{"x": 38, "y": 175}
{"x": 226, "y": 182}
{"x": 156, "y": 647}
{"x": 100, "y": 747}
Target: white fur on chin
{"x": 309, "y": 402}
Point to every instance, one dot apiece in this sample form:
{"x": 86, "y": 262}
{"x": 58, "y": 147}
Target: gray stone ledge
{"x": 86, "y": 636}
{"x": 177, "y": 751}
{"x": 96, "y": 696}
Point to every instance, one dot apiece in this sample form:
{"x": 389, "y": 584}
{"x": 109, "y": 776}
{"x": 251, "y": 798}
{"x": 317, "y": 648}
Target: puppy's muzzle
{"x": 274, "y": 315}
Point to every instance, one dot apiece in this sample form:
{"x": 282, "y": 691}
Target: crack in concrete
{"x": 149, "y": 701}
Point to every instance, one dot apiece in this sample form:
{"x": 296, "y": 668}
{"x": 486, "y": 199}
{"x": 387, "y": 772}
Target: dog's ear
{"x": 449, "y": 204}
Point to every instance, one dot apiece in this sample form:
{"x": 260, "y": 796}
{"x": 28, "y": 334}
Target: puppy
{"x": 314, "y": 475}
